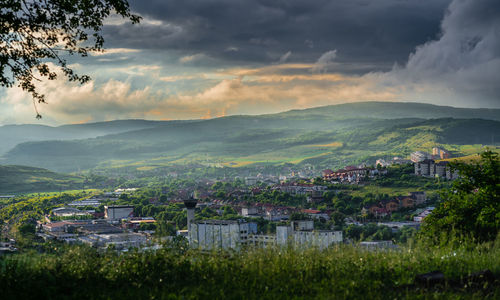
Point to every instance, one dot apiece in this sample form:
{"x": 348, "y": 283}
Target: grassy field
{"x": 344, "y": 272}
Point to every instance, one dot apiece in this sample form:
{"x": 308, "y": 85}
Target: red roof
{"x": 311, "y": 211}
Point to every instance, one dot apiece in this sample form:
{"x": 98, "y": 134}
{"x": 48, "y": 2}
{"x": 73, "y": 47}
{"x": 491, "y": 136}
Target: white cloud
{"x": 192, "y": 58}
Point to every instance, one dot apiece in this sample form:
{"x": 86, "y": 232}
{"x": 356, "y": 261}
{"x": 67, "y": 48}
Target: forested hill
{"x": 244, "y": 140}
{"x": 397, "y": 110}
{"x": 22, "y": 179}
{"x": 11, "y": 135}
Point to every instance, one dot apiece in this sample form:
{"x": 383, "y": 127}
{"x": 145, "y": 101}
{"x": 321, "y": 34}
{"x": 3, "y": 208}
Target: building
{"x": 261, "y": 240}
{"x": 419, "y": 156}
{"x": 119, "y": 241}
{"x": 93, "y": 202}
{"x": 419, "y": 197}
{"x": 377, "y": 245}
{"x": 439, "y": 152}
{"x": 118, "y": 212}
{"x": 68, "y": 212}
{"x": 302, "y": 234}
{"x": 429, "y": 168}
{"x": 249, "y": 211}
{"x": 220, "y": 234}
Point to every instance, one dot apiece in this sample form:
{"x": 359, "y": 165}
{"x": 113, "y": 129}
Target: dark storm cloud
{"x": 465, "y": 60}
{"x": 375, "y": 33}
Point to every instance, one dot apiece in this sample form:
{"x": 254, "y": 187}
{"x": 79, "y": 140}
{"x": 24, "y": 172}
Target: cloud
{"x": 192, "y": 58}
{"x": 325, "y": 61}
{"x": 111, "y": 51}
{"x": 462, "y": 66}
{"x": 285, "y": 57}
{"x": 379, "y": 33}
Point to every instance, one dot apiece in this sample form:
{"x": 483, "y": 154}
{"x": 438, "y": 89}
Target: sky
{"x": 191, "y": 59}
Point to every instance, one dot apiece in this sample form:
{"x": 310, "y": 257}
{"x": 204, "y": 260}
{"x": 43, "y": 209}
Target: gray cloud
{"x": 375, "y": 33}
{"x": 464, "y": 62}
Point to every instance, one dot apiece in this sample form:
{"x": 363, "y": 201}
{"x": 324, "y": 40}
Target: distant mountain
{"x": 11, "y": 135}
{"x": 23, "y": 179}
{"x": 327, "y": 136}
{"x": 397, "y": 110}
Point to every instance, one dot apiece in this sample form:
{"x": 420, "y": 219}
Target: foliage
{"x": 35, "y": 32}
{"x": 472, "y": 206}
{"x": 343, "y": 272}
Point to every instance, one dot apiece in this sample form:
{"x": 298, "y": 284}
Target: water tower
{"x": 190, "y": 206}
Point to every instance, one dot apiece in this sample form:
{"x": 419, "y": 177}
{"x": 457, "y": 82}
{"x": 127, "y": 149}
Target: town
{"x": 255, "y": 211}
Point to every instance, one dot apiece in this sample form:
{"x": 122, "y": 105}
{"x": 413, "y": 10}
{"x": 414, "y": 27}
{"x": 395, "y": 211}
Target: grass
{"x": 343, "y": 272}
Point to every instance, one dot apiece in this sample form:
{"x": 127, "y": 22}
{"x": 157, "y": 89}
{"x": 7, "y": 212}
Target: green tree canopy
{"x": 472, "y": 206}
{"x": 33, "y": 33}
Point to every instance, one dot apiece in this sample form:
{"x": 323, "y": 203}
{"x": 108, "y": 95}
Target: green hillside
{"x": 11, "y": 135}
{"x": 23, "y": 179}
{"x": 244, "y": 140}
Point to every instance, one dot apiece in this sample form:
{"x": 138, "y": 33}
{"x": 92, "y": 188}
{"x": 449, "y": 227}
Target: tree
{"x": 472, "y": 206}
{"x": 34, "y": 33}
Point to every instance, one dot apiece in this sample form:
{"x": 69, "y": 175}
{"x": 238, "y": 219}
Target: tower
{"x": 190, "y": 206}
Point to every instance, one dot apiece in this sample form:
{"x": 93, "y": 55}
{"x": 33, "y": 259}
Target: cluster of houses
{"x": 386, "y": 207}
{"x": 273, "y": 212}
{"x": 350, "y": 174}
{"x": 395, "y": 161}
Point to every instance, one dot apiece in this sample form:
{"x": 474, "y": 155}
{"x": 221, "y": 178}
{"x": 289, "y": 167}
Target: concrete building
{"x": 220, "y": 234}
{"x": 118, "y": 212}
{"x": 261, "y": 240}
{"x": 419, "y": 156}
{"x": 302, "y": 234}
{"x": 440, "y": 152}
{"x": 429, "y": 168}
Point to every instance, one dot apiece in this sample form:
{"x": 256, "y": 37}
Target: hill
{"x": 331, "y": 136}
{"x": 243, "y": 140}
{"x": 397, "y": 110}
{"x": 11, "y": 135}
{"x": 23, "y": 179}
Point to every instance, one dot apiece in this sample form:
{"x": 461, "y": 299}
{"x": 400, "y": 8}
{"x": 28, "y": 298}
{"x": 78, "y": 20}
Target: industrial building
{"x": 118, "y": 212}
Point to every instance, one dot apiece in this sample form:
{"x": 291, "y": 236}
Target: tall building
{"x": 220, "y": 234}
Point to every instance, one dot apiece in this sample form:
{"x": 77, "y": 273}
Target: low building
{"x": 68, "y": 212}
{"x": 249, "y": 211}
{"x": 119, "y": 241}
{"x": 378, "y": 245}
{"x": 301, "y": 234}
{"x": 420, "y": 197}
{"x": 117, "y": 212}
